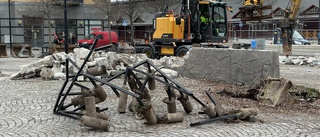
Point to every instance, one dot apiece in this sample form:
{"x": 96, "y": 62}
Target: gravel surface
{"x": 26, "y": 108}
{"x": 299, "y": 75}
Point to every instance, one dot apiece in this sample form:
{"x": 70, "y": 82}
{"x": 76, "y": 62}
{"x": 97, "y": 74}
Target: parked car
{"x": 103, "y": 42}
{"x": 299, "y": 39}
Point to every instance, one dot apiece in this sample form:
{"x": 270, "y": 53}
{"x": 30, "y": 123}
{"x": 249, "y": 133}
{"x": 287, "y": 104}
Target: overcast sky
{"x": 115, "y": 0}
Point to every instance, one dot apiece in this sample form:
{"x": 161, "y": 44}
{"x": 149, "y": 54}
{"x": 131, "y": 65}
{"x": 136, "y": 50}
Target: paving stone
{"x": 27, "y": 110}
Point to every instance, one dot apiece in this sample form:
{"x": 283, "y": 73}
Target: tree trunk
{"x": 131, "y": 29}
{"x": 90, "y": 105}
{"x": 150, "y": 116}
{"x": 95, "y": 123}
{"x": 122, "y": 102}
{"x": 186, "y": 104}
{"x": 171, "y": 104}
{"x": 209, "y": 111}
{"x": 50, "y": 34}
{"x": 174, "y": 117}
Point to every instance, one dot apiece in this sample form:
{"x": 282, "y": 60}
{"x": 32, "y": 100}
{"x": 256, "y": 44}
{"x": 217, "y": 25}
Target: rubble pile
{"x": 302, "y": 60}
{"x": 53, "y": 66}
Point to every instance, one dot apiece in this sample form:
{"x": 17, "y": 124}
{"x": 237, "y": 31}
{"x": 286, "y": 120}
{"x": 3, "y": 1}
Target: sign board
{"x": 241, "y": 24}
{"x": 7, "y": 39}
{"x": 96, "y": 29}
{"x": 124, "y": 23}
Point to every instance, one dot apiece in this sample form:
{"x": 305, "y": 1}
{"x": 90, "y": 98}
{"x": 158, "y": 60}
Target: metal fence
{"x": 250, "y": 34}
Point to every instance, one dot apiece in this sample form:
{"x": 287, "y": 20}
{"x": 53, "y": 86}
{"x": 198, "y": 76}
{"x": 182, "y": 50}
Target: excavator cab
{"x": 210, "y": 20}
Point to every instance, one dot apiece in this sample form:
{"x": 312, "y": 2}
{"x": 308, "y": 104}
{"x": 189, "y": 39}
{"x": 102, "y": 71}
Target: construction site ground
{"x": 27, "y": 109}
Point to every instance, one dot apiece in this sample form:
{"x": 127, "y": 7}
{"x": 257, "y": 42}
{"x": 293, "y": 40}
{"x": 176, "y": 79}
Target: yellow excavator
{"x": 253, "y": 2}
{"x": 287, "y": 26}
{"x": 201, "y": 22}
{"x": 252, "y": 7}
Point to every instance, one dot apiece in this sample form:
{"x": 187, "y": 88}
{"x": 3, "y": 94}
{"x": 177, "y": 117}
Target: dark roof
{"x": 276, "y": 5}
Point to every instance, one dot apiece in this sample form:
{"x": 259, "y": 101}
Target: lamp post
{"x": 319, "y": 25}
{"x": 66, "y": 37}
{"x": 10, "y": 33}
{"x": 110, "y": 23}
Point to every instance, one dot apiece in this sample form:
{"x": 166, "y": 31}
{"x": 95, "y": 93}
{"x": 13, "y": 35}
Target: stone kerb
{"x": 232, "y": 66}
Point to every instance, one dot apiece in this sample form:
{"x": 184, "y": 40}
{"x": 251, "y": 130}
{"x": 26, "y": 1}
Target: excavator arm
{"x": 295, "y": 5}
{"x": 287, "y": 26}
{"x": 254, "y": 9}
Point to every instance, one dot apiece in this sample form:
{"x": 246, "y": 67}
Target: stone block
{"x": 230, "y": 65}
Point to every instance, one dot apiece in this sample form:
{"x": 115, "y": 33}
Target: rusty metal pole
{"x": 66, "y": 37}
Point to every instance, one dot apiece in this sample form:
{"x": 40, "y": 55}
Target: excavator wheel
{"x": 149, "y": 52}
{"x": 182, "y": 52}
{"x": 113, "y": 48}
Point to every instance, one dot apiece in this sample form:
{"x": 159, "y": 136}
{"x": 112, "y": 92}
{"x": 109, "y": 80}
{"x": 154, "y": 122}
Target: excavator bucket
{"x": 22, "y": 51}
{"x": 255, "y": 12}
{"x": 60, "y": 48}
{"x": 3, "y": 51}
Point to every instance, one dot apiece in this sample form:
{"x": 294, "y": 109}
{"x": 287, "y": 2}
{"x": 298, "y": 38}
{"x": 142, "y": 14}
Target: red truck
{"x": 103, "y": 42}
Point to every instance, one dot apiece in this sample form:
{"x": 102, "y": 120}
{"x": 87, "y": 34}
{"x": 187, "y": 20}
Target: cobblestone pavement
{"x": 26, "y": 108}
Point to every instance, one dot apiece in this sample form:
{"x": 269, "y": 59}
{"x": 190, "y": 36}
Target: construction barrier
{"x": 3, "y": 51}
{"x": 22, "y": 51}
{"x": 60, "y": 48}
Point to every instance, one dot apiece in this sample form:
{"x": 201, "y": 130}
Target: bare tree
{"x": 45, "y": 9}
{"x": 108, "y": 10}
{"x": 131, "y": 9}
{"x": 154, "y": 6}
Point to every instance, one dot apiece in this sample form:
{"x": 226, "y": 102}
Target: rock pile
{"x": 302, "y": 60}
{"x": 53, "y": 66}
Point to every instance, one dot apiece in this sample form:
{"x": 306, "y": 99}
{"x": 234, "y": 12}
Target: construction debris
{"x": 246, "y": 114}
{"x": 276, "y": 92}
{"x": 170, "y": 118}
{"x": 303, "y": 93}
{"x": 143, "y": 98}
{"x": 22, "y": 51}
{"x": 122, "y": 102}
{"x": 95, "y": 123}
{"x": 243, "y": 114}
{"x": 271, "y": 92}
{"x": 99, "y": 63}
{"x": 302, "y": 60}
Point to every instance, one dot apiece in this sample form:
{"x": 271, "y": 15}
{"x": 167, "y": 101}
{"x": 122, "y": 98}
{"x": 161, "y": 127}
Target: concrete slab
{"x": 230, "y": 65}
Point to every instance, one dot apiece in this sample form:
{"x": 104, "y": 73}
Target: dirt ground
{"x": 304, "y": 79}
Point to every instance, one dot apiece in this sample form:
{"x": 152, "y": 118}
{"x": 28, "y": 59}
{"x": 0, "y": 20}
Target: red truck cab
{"x": 104, "y": 39}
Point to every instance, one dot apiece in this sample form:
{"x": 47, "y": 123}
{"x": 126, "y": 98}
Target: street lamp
{"x": 274, "y": 26}
{"x": 19, "y": 22}
{"x": 66, "y": 37}
{"x": 301, "y": 27}
{"x": 111, "y": 23}
{"x": 10, "y": 33}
